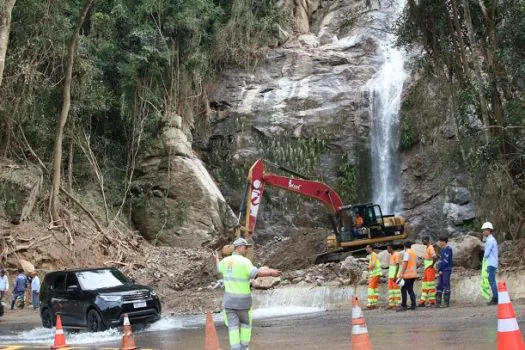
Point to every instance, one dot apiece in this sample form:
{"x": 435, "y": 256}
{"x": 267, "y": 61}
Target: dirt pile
{"x": 511, "y": 255}
{"x": 171, "y": 270}
{"x": 296, "y": 251}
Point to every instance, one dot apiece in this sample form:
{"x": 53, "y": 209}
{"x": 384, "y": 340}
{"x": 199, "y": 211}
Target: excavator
{"x": 354, "y": 226}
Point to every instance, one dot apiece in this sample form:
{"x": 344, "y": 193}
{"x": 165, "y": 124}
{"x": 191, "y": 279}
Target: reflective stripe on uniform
{"x": 235, "y": 279}
{"x": 508, "y": 325}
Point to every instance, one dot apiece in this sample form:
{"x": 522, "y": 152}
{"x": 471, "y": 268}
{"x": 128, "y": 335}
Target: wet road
{"x": 463, "y": 328}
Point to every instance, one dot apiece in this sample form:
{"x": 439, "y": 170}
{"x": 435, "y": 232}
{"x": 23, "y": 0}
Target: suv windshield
{"x": 99, "y": 279}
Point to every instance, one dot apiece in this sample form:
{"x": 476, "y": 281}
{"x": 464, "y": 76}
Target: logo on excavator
{"x": 256, "y": 198}
{"x": 293, "y": 186}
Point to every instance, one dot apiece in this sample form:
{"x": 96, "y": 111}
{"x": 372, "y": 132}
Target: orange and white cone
{"x": 128, "y": 343}
{"x": 360, "y": 339}
{"x": 509, "y": 335}
{"x": 60, "y": 339}
{"x": 211, "y": 341}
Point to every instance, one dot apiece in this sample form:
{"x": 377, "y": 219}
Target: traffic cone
{"x": 211, "y": 342}
{"x": 360, "y": 339}
{"x": 128, "y": 343}
{"x": 509, "y": 335}
{"x": 60, "y": 339}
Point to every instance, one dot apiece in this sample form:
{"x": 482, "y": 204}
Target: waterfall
{"x": 385, "y": 89}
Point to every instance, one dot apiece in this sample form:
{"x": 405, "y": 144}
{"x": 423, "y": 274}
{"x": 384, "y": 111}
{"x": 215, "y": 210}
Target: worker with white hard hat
{"x": 491, "y": 259}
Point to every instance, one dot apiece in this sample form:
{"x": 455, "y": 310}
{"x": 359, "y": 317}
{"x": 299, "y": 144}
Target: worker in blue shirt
{"x": 444, "y": 266}
{"x": 491, "y": 256}
{"x": 19, "y": 289}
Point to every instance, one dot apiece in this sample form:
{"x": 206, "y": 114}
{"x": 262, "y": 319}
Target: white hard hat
{"x": 402, "y": 282}
{"x": 487, "y": 225}
{"x": 241, "y": 242}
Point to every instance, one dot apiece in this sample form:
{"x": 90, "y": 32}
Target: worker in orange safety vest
{"x": 374, "y": 275}
{"x": 408, "y": 276}
{"x": 394, "y": 290}
{"x": 428, "y": 285}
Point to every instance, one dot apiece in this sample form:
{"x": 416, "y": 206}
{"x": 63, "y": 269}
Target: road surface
{"x": 465, "y": 327}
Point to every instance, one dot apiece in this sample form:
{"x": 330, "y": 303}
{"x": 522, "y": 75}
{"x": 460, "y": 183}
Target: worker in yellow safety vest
{"x": 408, "y": 276}
{"x": 428, "y": 285}
{"x": 374, "y": 275}
{"x": 237, "y": 271}
{"x": 394, "y": 290}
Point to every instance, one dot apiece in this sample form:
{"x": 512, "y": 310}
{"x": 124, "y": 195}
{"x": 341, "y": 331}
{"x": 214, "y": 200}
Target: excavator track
{"x": 339, "y": 255}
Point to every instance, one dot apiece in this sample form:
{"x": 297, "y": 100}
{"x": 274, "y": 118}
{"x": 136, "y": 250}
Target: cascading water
{"x": 385, "y": 89}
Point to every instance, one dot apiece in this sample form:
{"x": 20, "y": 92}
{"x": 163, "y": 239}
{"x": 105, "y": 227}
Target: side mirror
{"x": 73, "y": 288}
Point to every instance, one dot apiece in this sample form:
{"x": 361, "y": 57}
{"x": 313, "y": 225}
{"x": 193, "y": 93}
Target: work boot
{"x": 13, "y": 304}
{"x": 439, "y": 296}
{"x": 447, "y": 299}
{"x": 421, "y": 305}
{"x": 401, "y": 308}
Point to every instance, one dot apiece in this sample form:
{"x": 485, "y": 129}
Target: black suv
{"x": 95, "y": 299}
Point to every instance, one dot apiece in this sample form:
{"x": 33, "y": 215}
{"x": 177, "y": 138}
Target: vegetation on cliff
{"x": 472, "y": 58}
{"x": 99, "y": 77}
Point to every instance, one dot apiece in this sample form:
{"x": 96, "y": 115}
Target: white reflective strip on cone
{"x": 59, "y": 331}
{"x": 357, "y": 312}
{"x": 359, "y": 329}
{"x": 503, "y": 298}
{"x": 126, "y": 321}
{"x": 508, "y": 325}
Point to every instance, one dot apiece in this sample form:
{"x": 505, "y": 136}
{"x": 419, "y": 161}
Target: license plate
{"x": 139, "y": 304}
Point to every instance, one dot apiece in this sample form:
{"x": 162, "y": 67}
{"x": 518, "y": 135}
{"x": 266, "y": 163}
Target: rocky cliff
{"x": 307, "y": 106}
{"x": 175, "y": 200}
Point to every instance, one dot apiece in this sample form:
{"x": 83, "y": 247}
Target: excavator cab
{"x": 360, "y": 222}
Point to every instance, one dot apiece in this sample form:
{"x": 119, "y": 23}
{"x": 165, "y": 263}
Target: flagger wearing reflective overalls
{"x": 237, "y": 272}
{"x": 428, "y": 285}
{"x": 374, "y": 276}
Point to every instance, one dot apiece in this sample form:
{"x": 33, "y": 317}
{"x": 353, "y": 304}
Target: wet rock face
{"x": 313, "y": 87}
{"x": 175, "y": 200}
{"x": 437, "y": 202}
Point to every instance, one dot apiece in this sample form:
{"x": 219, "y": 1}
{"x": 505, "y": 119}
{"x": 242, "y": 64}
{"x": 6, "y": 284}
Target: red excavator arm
{"x": 258, "y": 177}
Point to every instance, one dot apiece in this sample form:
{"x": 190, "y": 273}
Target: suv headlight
{"x": 153, "y": 293}
{"x": 110, "y": 298}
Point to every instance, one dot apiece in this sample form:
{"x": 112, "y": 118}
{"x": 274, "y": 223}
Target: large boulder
{"x": 353, "y": 268}
{"x": 466, "y": 251}
{"x": 266, "y": 282}
{"x": 419, "y": 249}
{"x": 20, "y": 186}
{"x": 175, "y": 200}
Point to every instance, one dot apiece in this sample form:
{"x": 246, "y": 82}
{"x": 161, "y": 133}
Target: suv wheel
{"x": 94, "y": 322}
{"x": 47, "y": 318}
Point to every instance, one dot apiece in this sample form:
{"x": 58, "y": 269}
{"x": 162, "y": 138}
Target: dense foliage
{"x": 136, "y": 62}
{"x": 473, "y": 54}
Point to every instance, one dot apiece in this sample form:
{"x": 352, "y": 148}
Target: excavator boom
{"x": 258, "y": 177}
{"x": 348, "y": 234}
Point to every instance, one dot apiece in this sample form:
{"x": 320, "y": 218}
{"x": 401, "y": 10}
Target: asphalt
{"x": 457, "y": 327}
